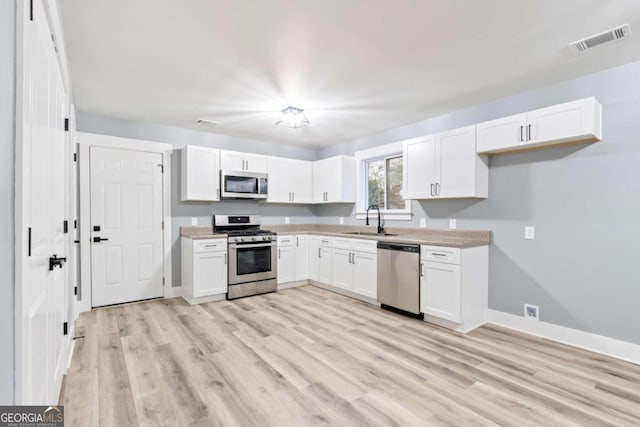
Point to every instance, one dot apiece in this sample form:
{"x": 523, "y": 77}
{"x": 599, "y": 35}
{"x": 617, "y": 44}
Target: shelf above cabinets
{"x": 576, "y": 121}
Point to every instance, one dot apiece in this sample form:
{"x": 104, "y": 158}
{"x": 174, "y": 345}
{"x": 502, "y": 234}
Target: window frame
{"x": 362, "y": 158}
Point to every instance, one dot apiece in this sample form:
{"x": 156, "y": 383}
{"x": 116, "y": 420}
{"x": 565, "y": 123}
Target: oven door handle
{"x": 253, "y": 245}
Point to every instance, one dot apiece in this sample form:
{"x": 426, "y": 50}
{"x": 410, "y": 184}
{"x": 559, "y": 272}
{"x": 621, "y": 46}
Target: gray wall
{"x": 584, "y": 200}
{"x": 7, "y": 114}
{"x": 182, "y": 212}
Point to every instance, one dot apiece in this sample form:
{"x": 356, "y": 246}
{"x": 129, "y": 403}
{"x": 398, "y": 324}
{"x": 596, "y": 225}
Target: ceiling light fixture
{"x": 293, "y": 117}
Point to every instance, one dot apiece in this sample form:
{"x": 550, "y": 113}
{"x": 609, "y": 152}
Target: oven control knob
{"x": 253, "y": 238}
{"x": 241, "y": 239}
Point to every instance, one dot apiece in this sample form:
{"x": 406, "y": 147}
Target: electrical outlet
{"x": 531, "y": 312}
{"x": 452, "y": 223}
{"x": 423, "y": 222}
{"x": 341, "y": 220}
{"x": 194, "y": 220}
{"x": 287, "y": 220}
{"x": 529, "y": 232}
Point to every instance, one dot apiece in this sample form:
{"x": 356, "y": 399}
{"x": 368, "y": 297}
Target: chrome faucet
{"x": 380, "y": 226}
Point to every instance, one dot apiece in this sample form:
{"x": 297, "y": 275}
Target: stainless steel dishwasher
{"x": 399, "y": 277}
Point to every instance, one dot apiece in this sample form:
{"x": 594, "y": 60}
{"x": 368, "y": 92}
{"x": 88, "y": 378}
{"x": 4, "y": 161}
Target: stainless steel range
{"x": 252, "y": 255}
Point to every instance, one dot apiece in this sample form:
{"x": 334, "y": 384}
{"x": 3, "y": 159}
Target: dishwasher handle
{"x": 404, "y": 247}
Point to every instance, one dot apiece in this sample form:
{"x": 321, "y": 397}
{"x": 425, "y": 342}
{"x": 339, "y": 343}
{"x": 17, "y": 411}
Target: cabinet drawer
{"x": 209, "y": 245}
{"x": 341, "y": 243}
{"x": 363, "y": 245}
{"x": 440, "y": 254}
{"x": 284, "y": 241}
{"x": 325, "y": 241}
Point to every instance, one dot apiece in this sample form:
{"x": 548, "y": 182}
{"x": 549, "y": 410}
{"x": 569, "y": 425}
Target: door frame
{"x": 88, "y": 140}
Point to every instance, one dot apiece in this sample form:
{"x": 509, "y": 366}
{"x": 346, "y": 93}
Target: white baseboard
{"x": 292, "y": 284}
{"x": 585, "y": 340}
{"x": 344, "y": 292}
{"x": 172, "y": 292}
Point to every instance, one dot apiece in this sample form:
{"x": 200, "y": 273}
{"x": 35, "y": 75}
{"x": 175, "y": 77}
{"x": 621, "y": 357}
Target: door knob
{"x": 54, "y": 261}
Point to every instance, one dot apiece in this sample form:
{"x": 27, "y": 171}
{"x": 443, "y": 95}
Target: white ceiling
{"x": 356, "y": 66}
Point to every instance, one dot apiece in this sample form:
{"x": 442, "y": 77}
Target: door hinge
{"x": 30, "y": 10}
{"x": 66, "y": 124}
{"x": 75, "y": 157}
{"x": 65, "y": 226}
{"x": 65, "y": 328}
{"x": 75, "y": 290}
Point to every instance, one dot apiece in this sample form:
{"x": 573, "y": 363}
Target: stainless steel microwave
{"x": 243, "y": 185}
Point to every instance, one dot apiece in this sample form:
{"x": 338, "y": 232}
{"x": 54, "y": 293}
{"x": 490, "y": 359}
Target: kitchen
{"x": 233, "y": 249}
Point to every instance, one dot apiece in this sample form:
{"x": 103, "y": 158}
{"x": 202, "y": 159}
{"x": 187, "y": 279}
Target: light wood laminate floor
{"x": 306, "y": 356}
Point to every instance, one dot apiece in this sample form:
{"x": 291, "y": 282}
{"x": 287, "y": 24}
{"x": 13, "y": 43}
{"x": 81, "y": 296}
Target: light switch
{"x": 194, "y": 220}
{"x": 529, "y": 232}
{"x": 287, "y": 220}
{"x": 452, "y": 223}
{"x": 423, "y": 222}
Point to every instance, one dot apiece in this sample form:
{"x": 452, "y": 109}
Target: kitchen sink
{"x": 367, "y": 233}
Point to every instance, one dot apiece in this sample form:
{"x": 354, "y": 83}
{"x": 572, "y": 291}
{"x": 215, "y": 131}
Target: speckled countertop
{"x": 423, "y": 236}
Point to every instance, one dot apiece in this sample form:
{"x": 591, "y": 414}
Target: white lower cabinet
{"x": 204, "y": 269}
{"x": 354, "y": 266}
{"x": 454, "y": 286}
{"x": 320, "y": 259}
{"x": 293, "y": 258}
{"x": 365, "y": 274}
{"x": 342, "y": 271}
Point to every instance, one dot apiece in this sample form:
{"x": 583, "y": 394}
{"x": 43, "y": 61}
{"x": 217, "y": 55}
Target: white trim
{"x": 585, "y": 340}
{"x": 87, "y": 140}
{"x": 344, "y": 292}
{"x": 362, "y": 156}
{"x": 172, "y": 292}
{"x": 290, "y": 285}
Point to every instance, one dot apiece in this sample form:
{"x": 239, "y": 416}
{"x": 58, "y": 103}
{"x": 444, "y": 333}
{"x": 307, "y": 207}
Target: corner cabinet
{"x": 445, "y": 165}
{"x": 334, "y": 180}
{"x": 204, "y": 270}
{"x": 576, "y": 121}
{"x": 290, "y": 180}
{"x": 454, "y": 286}
{"x": 199, "y": 174}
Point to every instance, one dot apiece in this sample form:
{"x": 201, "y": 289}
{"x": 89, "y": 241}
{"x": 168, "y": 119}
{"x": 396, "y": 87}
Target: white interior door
{"x": 44, "y": 290}
{"x": 126, "y": 226}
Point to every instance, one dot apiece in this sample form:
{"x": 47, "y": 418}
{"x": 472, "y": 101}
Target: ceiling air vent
{"x": 208, "y": 122}
{"x": 602, "y": 38}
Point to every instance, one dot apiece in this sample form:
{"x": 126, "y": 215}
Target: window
{"x": 379, "y": 182}
{"x": 384, "y": 183}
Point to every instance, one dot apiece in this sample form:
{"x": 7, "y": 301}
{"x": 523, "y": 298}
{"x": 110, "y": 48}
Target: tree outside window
{"x": 384, "y": 183}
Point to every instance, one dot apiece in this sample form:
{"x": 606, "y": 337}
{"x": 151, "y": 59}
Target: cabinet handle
{"x": 247, "y": 164}
{"x": 421, "y": 270}
{"x": 529, "y": 138}
{"x": 437, "y": 254}
{"x": 521, "y": 136}
{"x": 225, "y": 258}
{"x": 297, "y": 242}
{"x": 432, "y": 189}
{"x": 293, "y": 196}
{"x": 278, "y": 253}
{"x": 319, "y": 252}
{"x": 353, "y": 258}
{"x": 437, "y": 188}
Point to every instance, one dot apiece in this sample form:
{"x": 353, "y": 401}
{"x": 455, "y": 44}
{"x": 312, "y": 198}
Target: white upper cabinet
{"x": 237, "y": 161}
{"x": 334, "y": 180}
{"x": 290, "y": 180}
{"x": 576, "y": 121}
{"x": 444, "y": 165}
{"x": 200, "y": 174}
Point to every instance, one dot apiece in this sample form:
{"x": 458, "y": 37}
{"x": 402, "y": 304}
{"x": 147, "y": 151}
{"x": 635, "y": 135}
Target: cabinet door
{"x": 568, "y": 121}
{"x": 301, "y": 181}
{"x": 286, "y": 264}
{"x": 200, "y": 174}
{"x": 209, "y": 274}
{"x": 501, "y": 134}
{"x": 365, "y": 274}
{"x": 314, "y": 258}
{"x": 255, "y": 163}
{"x": 457, "y": 152}
{"x": 280, "y": 185}
{"x": 321, "y": 173}
{"x": 232, "y": 160}
{"x": 301, "y": 257}
{"x": 325, "y": 267}
{"x": 342, "y": 269}
{"x": 420, "y": 168}
{"x": 440, "y": 290}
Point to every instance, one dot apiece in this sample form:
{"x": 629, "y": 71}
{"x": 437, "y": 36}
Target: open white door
{"x": 126, "y": 226}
